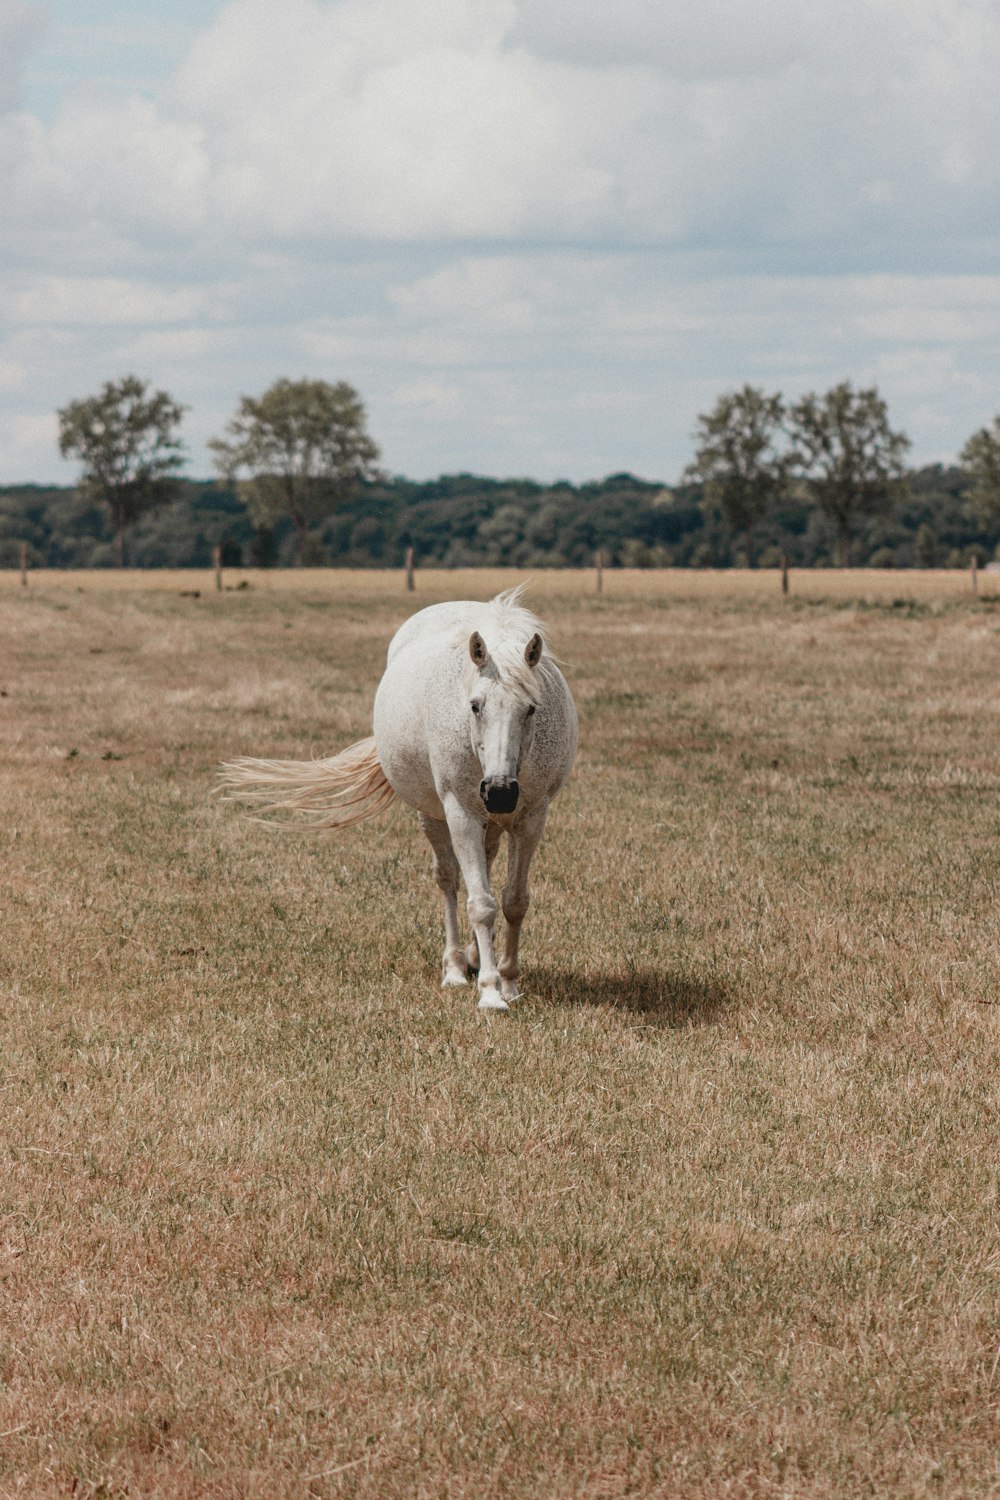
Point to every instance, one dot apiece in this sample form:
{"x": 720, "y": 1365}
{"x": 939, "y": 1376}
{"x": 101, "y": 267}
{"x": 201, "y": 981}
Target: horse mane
{"x": 507, "y": 627}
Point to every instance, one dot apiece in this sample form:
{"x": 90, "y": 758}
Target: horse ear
{"x": 533, "y": 650}
{"x": 477, "y": 649}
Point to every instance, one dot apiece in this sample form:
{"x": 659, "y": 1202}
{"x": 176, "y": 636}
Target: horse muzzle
{"x": 500, "y": 794}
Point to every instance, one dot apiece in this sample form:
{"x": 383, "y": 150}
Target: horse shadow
{"x": 657, "y": 997}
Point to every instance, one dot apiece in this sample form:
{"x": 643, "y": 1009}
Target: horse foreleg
{"x": 468, "y": 838}
{"x": 493, "y": 835}
{"x": 523, "y": 843}
{"x": 454, "y": 970}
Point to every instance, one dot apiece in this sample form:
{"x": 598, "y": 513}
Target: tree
{"x": 925, "y": 546}
{"x": 981, "y": 457}
{"x": 846, "y": 450}
{"x": 125, "y": 437}
{"x": 305, "y": 448}
{"x": 738, "y": 459}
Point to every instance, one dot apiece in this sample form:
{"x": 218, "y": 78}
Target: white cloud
{"x": 930, "y": 310}
{"x": 490, "y": 120}
{"x": 67, "y": 300}
{"x": 938, "y": 325}
{"x": 127, "y": 158}
{"x": 384, "y": 121}
{"x": 565, "y": 364}
{"x": 533, "y": 234}
{"x": 510, "y": 293}
{"x": 431, "y": 397}
{"x": 178, "y": 345}
{"x": 584, "y": 363}
{"x": 12, "y": 375}
{"x": 28, "y": 433}
{"x": 20, "y": 24}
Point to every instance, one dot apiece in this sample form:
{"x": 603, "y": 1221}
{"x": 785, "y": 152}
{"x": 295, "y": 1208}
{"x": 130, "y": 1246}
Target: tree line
{"x": 295, "y": 452}
{"x": 821, "y": 481}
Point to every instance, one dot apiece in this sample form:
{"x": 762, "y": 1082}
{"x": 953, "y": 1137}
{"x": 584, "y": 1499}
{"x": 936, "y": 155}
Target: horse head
{"x": 503, "y": 697}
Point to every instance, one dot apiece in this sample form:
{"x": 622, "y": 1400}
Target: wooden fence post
{"x": 599, "y": 567}
{"x": 975, "y": 575}
{"x": 217, "y": 560}
{"x": 409, "y": 570}
{"x": 24, "y": 565}
{"x": 784, "y": 573}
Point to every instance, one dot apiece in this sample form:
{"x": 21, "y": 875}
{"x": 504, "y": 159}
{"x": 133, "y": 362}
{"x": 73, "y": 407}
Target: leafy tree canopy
{"x": 981, "y": 457}
{"x": 125, "y": 437}
{"x": 739, "y": 459}
{"x": 853, "y": 460}
{"x": 841, "y": 442}
{"x": 305, "y": 448}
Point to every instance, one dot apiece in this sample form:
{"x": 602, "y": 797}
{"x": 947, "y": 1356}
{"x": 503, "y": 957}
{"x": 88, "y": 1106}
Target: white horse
{"x": 475, "y": 727}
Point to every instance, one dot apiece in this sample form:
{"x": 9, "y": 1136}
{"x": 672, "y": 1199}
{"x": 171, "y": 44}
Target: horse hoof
{"x": 453, "y": 978}
{"x": 491, "y": 999}
{"x": 510, "y": 991}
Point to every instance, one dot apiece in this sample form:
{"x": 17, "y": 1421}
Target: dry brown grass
{"x": 871, "y": 585}
{"x": 714, "y": 1214}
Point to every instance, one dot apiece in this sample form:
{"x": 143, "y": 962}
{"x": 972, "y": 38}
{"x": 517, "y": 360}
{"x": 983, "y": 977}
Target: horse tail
{"x": 336, "y": 792}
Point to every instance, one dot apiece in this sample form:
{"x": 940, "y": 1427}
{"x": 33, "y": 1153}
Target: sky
{"x": 539, "y": 237}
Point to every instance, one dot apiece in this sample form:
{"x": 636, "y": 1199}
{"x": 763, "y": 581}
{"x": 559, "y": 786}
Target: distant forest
{"x": 465, "y": 521}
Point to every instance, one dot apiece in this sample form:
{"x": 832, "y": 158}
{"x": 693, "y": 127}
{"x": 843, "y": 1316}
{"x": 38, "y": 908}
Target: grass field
{"x": 713, "y": 1214}
{"x": 859, "y": 585}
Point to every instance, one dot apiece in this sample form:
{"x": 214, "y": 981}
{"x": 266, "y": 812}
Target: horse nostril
{"x": 500, "y": 796}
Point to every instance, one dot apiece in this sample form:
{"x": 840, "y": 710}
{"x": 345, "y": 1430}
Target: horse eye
{"x": 474, "y": 706}
{"x": 531, "y": 709}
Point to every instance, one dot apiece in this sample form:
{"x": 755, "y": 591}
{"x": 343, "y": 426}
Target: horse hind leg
{"x": 454, "y": 965}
